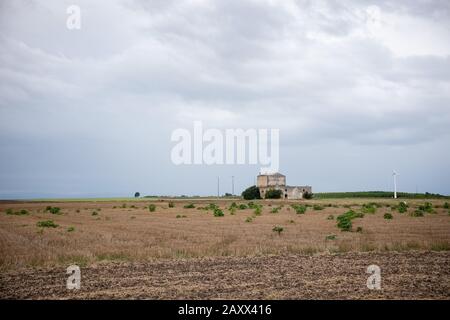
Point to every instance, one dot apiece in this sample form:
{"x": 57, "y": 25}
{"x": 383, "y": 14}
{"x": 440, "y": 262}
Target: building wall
{"x": 278, "y": 182}
{"x": 264, "y": 180}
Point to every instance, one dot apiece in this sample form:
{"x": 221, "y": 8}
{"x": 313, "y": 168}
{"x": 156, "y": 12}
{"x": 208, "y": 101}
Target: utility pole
{"x": 232, "y": 185}
{"x": 218, "y": 188}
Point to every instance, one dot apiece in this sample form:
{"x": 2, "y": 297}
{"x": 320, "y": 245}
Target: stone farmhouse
{"x": 277, "y": 181}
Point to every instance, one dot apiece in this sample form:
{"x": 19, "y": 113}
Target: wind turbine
{"x": 394, "y": 175}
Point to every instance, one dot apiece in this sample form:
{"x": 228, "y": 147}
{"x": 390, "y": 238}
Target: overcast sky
{"x": 357, "y": 89}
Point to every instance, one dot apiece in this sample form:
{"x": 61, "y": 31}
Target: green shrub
{"x": 426, "y": 207}
{"x": 252, "y": 205}
{"x": 388, "y": 216}
{"x": 273, "y": 194}
{"x": 232, "y": 211}
{"x": 249, "y": 219}
{"x": 344, "y": 223}
{"x": 151, "y": 208}
{"x": 359, "y": 229}
{"x": 402, "y": 207}
{"x": 171, "y": 205}
{"x": 446, "y": 205}
{"x": 218, "y": 212}
{"x": 368, "y": 208}
{"x": 345, "y": 220}
{"x": 417, "y": 213}
{"x": 22, "y": 212}
{"x": 47, "y": 224}
{"x": 95, "y": 213}
{"x": 124, "y": 205}
{"x": 258, "y": 210}
{"x": 317, "y": 207}
{"x": 233, "y": 205}
{"x": 275, "y": 210}
{"x": 70, "y": 229}
{"x": 242, "y": 206}
{"x": 299, "y": 209}
{"x": 178, "y": 216}
{"x": 278, "y": 229}
{"x": 212, "y": 206}
{"x": 307, "y": 195}
{"x": 189, "y": 206}
{"x": 251, "y": 193}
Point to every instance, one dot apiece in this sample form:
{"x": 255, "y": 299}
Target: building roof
{"x": 276, "y": 174}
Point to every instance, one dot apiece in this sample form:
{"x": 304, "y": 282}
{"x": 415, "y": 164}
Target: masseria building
{"x": 277, "y": 181}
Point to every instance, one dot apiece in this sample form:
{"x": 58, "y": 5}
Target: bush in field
{"x": 53, "y": 210}
{"x": 212, "y": 206}
{"x": 368, "y": 208}
{"x": 70, "y": 229}
{"x": 446, "y": 205}
{"x": 218, "y": 212}
{"x": 258, "y": 210}
{"x": 345, "y": 220}
{"x": 189, "y": 206}
{"x": 344, "y": 223}
{"x": 151, "y": 208}
{"x": 359, "y": 229}
{"x": 317, "y": 207}
{"x": 402, "y": 207}
{"x": 95, "y": 213}
{"x": 275, "y": 210}
{"x": 251, "y": 193}
{"x": 233, "y": 205}
{"x": 249, "y": 219}
{"x": 242, "y": 206}
{"x": 273, "y": 194}
{"x": 47, "y": 224}
{"x": 388, "y": 216}
{"x": 252, "y": 205}
{"x": 307, "y": 195}
{"x": 330, "y": 217}
{"x": 299, "y": 209}
{"x": 426, "y": 207}
{"x": 22, "y": 212}
{"x": 232, "y": 211}
{"x": 417, "y": 213}
{"x": 171, "y": 205}
{"x": 278, "y": 229}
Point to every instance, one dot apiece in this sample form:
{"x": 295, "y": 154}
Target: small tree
{"x": 137, "y": 194}
{"x": 251, "y": 193}
{"x": 307, "y": 195}
{"x": 273, "y": 194}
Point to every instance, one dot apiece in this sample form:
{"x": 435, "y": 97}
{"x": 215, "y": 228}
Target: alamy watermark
{"x": 73, "y": 21}
{"x": 374, "y": 280}
{"x": 74, "y": 279}
{"x": 229, "y": 146}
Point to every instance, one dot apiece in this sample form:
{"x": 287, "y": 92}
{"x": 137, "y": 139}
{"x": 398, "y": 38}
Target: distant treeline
{"x": 379, "y": 194}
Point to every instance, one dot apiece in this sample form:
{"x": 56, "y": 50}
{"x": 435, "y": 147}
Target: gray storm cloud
{"x": 356, "y": 88}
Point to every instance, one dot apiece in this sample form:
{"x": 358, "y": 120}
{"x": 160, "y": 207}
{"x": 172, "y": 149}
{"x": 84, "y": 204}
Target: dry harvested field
{"x": 126, "y": 251}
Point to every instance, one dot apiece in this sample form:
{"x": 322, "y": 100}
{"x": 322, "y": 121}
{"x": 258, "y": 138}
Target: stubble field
{"x": 126, "y": 251}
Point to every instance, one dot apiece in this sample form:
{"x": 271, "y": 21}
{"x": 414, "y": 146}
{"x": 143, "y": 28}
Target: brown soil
{"x": 408, "y": 275}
